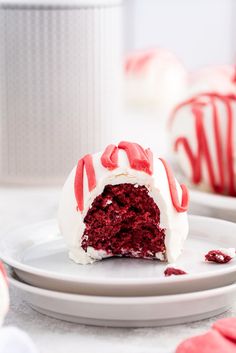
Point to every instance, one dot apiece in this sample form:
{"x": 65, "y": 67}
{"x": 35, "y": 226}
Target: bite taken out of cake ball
{"x": 203, "y": 131}
{"x": 4, "y": 294}
{"x": 126, "y": 202}
{"x": 154, "y": 78}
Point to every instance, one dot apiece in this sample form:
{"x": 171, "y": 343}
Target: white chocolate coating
{"x": 71, "y": 221}
{"x": 160, "y": 81}
{"x": 4, "y": 298}
{"x": 218, "y": 79}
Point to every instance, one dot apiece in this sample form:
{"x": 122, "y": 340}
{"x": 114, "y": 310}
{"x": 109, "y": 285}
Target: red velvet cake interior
{"x": 124, "y": 220}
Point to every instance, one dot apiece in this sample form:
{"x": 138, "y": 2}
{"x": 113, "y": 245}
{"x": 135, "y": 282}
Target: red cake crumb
{"x": 171, "y": 271}
{"x": 124, "y": 221}
{"x": 217, "y": 256}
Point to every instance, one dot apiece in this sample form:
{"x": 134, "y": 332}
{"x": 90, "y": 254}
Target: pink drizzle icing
{"x": 87, "y": 163}
{"x": 109, "y": 157}
{"x": 139, "y": 158}
{"x": 137, "y": 61}
{"x": 173, "y": 191}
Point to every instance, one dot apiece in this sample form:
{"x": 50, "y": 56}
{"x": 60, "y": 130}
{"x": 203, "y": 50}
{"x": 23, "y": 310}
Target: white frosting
{"x": 160, "y": 82}
{"x": 71, "y": 221}
{"x": 216, "y": 80}
{"x": 4, "y": 298}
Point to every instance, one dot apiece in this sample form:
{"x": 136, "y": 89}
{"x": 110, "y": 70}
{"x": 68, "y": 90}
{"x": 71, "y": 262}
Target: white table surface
{"x": 26, "y": 205}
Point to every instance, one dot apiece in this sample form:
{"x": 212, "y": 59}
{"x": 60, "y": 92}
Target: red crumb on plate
{"x": 171, "y": 271}
{"x": 217, "y": 256}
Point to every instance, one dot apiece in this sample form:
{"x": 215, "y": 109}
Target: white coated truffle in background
{"x": 154, "y": 78}
{"x": 202, "y": 131}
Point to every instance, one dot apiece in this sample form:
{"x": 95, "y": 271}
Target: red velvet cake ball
{"x": 210, "y": 342}
{"x": 123, "y": 202}
{"x": 155, "y": 78}
{"x": 203, "y": 131}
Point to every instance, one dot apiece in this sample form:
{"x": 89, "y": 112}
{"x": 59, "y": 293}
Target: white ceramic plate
{"x": 39, "y": 256}
{"x": 127, "y": 311}
{"x": 213, "y": 205}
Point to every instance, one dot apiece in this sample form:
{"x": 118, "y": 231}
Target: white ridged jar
{"x": 60, "y": 72}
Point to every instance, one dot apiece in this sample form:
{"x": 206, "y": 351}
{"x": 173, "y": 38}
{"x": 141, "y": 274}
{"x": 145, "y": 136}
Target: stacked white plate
{"x": 119, "y": 291}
